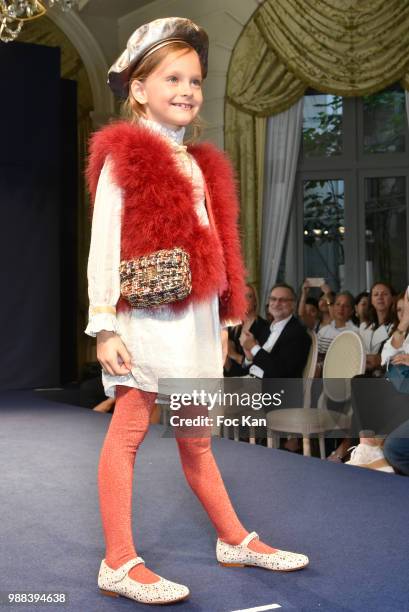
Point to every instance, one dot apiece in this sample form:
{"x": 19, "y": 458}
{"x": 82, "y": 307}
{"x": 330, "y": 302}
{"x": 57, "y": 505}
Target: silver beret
{"x": 149, "y": 38}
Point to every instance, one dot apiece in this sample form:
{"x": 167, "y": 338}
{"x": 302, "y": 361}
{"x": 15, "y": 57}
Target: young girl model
{"x": 149, "y": 191}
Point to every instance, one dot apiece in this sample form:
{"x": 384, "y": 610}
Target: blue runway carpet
{"x": 353, "y": 523}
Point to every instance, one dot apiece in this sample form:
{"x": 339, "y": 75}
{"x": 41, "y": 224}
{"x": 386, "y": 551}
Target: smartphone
{"x": 317, "y": 282}
{"x": 407, "y": 292}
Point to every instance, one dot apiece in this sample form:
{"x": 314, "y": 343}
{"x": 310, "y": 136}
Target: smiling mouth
{"x": 184, "y": 106}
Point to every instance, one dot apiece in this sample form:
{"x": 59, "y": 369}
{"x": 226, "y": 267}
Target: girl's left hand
{"x": 401, "y": 359}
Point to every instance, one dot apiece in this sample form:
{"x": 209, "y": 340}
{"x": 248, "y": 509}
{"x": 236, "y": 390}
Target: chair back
{"x": 345, "y": 359}
{"x": 309, "y": 369}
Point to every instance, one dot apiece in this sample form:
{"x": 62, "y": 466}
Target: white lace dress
{"x": 162, "y": 344}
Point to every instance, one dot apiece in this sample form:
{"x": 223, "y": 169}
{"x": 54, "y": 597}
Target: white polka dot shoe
{"x": 117, "y": 582}
{"x": 240, "y": 555}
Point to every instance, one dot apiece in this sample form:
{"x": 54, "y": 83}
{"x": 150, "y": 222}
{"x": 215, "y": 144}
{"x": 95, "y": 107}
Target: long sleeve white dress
{"x": 162, "y": 344}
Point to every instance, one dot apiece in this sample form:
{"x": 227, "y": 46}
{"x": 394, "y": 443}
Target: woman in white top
{"x": 373, "y": 334}
{"x": 380, "y": 404}
{"x": 376, "y": 401}
{"x": 377, "y": 330}
{"x": 343, "y": 310}
{"x": 396, "y": 348}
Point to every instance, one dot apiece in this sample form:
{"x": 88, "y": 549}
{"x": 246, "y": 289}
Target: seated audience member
{"x": 326, "y": 305}
{"x": 375, "y": 333}
{"x": 314, "y": 314}
{"x": 311, "y": 317}
{"x": 233, "y": 365}
{"x": 361, "y": 314}
{"x": 381, "y": 408}
{"x": 279, "y": 350}
{"x": 309, "y": 313}
{"x": 343, "y": 310}
{"x": 396, "y": 449}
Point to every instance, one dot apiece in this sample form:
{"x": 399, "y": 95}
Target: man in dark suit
{"x": 279, "y": 350}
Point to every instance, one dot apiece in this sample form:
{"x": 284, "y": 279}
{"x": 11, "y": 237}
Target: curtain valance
{"x": 345, "y": 47}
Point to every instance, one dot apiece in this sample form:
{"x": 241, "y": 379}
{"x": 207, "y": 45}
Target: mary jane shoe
{"x": 117, "y": 582}
{"x": 240, "y": 555}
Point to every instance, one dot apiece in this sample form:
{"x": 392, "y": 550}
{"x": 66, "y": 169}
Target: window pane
{"x": 322, "y": 125}
{"x": 385, "y": 230}
{"x": 324, "y": 230}
{"x": 384, "y": 122}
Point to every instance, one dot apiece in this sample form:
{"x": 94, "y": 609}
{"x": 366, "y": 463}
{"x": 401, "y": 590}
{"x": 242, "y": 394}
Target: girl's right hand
{"x": 112, "y": 354}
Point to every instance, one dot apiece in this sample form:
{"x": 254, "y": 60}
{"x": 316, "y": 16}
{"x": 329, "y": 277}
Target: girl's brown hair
{"x": 133, "y": 111}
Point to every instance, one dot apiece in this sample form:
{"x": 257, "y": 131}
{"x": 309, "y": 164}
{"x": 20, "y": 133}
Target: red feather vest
{"x": 159, "y": 213}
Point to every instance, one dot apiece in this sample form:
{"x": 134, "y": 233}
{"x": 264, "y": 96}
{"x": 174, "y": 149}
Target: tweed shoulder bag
{"x": 160, "y": 278}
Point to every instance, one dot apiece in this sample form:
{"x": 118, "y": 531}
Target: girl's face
{"x": 172, "y": 93}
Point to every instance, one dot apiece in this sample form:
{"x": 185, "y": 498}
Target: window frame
{"x": 352, "y": 166}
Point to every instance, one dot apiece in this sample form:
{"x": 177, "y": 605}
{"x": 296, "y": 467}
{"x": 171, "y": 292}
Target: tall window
{"x": 350, "y": 220}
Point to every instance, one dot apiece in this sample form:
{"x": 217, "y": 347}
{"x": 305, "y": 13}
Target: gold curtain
{"x": 45, "y": 32}
{"x": 246, "y": 142}
{"x": 345, "y": 47}
{"x": 258, "y": 86}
